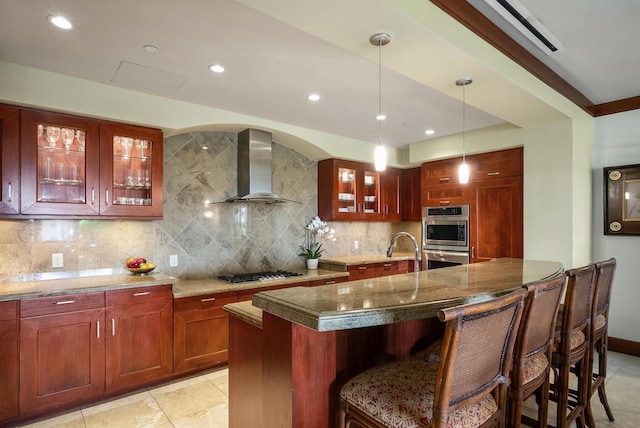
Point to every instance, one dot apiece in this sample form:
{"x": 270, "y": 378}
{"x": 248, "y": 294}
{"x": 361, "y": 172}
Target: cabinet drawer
{"x": 387, "y": 268}
{"x": 61, "y": 304}
{"x": 441, "y": 172}
{"x": 8, "y": 310}
{"x": 205, "y": 301}
{"x": 364, "y": 271}
{"x": 137, "y": 295}
{"x": 328, "y": 281}
{"x": 244, "y": 295}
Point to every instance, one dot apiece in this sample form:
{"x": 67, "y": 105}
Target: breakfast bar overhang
{"x": 291, "y": 351}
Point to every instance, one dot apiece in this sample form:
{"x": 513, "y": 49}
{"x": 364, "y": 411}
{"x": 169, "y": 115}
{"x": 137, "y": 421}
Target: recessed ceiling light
{"x": 429, "y": 132}
{"x": 151, "y": 49}
{"x": 216, "y": 68}
{"x": 60, "y": 22}
{"x": 313, "y": 97}
{"x": 381, "y": 117}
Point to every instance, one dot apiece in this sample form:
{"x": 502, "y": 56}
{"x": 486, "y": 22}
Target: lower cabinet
{"x": 140, "y": 337}
{"x": 62, "y": 350}
{"x": 373, "y": 270}
{"x": 8, "y": 360}
{"x": 201, "y": 332}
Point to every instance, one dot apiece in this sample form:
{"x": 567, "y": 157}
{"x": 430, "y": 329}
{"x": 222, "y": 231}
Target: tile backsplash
{"x": 209, "y": 238}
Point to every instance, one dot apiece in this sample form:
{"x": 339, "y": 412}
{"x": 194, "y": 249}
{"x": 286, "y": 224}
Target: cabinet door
{"x": 59, "y": 164}
{"x": 9, "y": 159}
{"x": 410, "y": 194}
{"x": 328, "y": 281}
{"x": 391, "y": 182}
{"x": 8, "y": 360}
{"x": 62, "y": 355}
{"x": 139, "y": 338}
{"x": 495, "y": 219}
{"x": 130, "y": 171}
{"x": 440, "y": 186}
{"x": 363, "y": 271}
{"x": 201, "y": 332}
{"x": 503, "y": 163}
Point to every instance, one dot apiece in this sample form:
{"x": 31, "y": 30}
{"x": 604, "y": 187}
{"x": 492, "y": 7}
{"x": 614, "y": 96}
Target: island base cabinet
{"x": 61, "y": 354}
{"x": 8, "y": 360}
{"x": 139, "y": 338}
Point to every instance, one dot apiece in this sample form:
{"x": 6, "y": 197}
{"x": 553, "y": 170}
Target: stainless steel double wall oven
{"x": 445, "y": 236}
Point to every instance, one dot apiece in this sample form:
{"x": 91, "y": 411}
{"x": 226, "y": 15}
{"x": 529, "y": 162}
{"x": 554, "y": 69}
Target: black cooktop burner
{"x": 258, "y": 276}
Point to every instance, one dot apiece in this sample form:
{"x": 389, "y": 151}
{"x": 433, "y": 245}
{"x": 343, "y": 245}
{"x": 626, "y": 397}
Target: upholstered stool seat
{"x": 400, "y": 394}
{"x": 577, "y": 339}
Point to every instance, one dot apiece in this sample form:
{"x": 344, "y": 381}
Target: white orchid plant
{"x": 317, "y": 230}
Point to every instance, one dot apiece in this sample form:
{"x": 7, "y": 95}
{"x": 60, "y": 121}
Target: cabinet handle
{"x": 493, "y": 173}
{"x": 387, "y": 265}
{"x": 208, "y": 299}
{"x": 445, "y": 202}
{"x": 106, "y": 196}
{"x": 10, "y": 197}
{"x": 142, "y": 293}
{"x": 93, "y": 196}
{"x": 329, "y": 282}
{"x": 64, "y": 302}
{"x": 363, "y": 268}
{"x": 386, "y": 208}
{"x": 113, "y": 326}
{"x": 444, "y": 179}
{"x": 473, "y": 252}
{"x": 98, "y": 329}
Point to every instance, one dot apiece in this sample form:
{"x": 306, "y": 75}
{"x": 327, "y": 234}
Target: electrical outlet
{"x": 57, "y": 260}
{"x": 173, "y": 260}
{"x": 356, "y": 244}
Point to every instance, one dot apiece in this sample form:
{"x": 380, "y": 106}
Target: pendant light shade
{"x": 380, "y": 154}
{"x": 463, "y": 170}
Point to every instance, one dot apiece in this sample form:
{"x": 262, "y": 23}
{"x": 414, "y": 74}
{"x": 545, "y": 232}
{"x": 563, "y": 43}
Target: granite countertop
{"x": 80, "y": 282}
{"x": 402, "y": 297}
{"x": 112, "y": 279}
{"x": 346, "y": 261}
{"x": 246, "y": 312}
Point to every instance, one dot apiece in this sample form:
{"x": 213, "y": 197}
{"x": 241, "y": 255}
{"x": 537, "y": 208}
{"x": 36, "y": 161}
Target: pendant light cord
{"x": 464, "y": 103}
{"x": 380, "y": 92}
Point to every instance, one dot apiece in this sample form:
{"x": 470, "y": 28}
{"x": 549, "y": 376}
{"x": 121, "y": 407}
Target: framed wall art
{"x": 622, "y": 200}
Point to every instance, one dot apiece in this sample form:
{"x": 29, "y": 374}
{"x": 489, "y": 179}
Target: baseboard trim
{"x": 624, "y": 346}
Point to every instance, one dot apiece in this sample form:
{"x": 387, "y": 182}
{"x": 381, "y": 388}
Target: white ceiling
{"x": 276, "y": 53}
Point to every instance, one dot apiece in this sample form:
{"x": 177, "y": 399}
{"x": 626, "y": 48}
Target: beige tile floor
{"x": 202, "y": 401}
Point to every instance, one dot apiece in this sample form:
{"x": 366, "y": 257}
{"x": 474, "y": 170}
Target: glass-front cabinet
{"x": 60, "y": 164}
{"x": 75, "y": 166}
{"x": 132, "y": 171}
{"x": 348, "y": 191}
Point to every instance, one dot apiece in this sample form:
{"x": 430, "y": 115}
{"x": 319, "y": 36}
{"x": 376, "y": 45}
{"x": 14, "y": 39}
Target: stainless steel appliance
{"x": 445, "y": 236}
{"x": 258, "y": 276}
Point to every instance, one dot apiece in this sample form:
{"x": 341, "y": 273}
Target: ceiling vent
{"x": 514, "y": 12}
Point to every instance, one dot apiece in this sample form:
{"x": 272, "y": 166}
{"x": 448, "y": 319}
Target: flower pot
{"x": 312, "y": 263}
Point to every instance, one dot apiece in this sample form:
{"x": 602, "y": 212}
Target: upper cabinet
{"x": 9, "y": 159}
{"x": 348, "y": 191}
{"x": 440, "y": 185}
{"x": 410, "y": 203}
{"x": 81, "y": 167}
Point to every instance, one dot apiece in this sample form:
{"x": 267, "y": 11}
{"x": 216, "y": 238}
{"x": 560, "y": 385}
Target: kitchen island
{"x": 312, "y": 340}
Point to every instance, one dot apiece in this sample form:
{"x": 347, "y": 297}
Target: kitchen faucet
{"x": 416, "y": 264}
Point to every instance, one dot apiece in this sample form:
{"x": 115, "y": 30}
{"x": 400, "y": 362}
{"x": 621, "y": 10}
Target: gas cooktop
{"x": 258, "y": 276}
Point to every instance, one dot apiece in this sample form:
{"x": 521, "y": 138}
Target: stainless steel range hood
{"x": 254, "y": 169}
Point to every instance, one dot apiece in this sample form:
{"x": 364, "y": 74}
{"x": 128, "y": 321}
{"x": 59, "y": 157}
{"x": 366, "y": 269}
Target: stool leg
{"x": 602, "y": 371}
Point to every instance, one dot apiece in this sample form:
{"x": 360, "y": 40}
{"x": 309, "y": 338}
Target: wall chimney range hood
{"x": 254, "y": 169}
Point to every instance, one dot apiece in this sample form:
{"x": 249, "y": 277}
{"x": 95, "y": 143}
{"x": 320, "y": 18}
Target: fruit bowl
{"x": 141, "y": 271}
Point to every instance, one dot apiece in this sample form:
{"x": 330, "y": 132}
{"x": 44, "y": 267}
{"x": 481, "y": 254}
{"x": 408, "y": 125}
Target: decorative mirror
{"x": 622, "y": 200}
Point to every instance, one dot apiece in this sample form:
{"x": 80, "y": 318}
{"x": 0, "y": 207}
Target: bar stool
{"x": 467, "y": 388}
{"x": 571, "y": 347}
{"x": 599, "y": 336}
{"x": 533, "y": 349}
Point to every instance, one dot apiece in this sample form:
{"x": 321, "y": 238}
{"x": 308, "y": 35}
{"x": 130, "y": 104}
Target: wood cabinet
{"x": 373, "y": 270}
{"x": 78, "y": 167}
{"x": 440, "y": 186}
{"x": 9, "y": 159}
{"x": 496, "y": 205}
{"x": 391, "y": 194}
{"x": 140, "y": 337}
{"x": 410, "y": 195}
{"x": 328, "y": 281}
{"x": 62, "y": 350}
{"x": 8, "y": 360}
{"x": 201, "y": 332}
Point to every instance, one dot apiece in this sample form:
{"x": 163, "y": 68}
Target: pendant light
{"x": 463, "y": 170}
{"x": 380, "y": 154}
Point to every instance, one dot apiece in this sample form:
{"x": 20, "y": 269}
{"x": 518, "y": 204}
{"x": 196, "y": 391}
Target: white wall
{"x": 617, "y": 142}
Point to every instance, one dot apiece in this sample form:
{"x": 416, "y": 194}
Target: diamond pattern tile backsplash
{"x": 209, "y": 238}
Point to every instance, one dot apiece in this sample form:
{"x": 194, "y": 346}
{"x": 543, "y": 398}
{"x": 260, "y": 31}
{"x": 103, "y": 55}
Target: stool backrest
{"x": 576, "y": 312}
{"x": 604, "y": 281}
{"x": 476, "y": 353}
